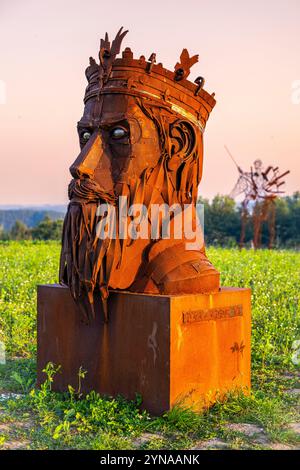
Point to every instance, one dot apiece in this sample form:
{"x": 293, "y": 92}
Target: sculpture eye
{"x": 86, "y": 136}
{"x": 119, "y": 133}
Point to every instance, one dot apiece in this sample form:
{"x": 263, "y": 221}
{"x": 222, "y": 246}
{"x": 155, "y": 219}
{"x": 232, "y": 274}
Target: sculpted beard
{"x": 85, "y": 262}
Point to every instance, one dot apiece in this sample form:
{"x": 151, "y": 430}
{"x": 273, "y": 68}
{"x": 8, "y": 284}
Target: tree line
{"x": 47, "y": 229}
{"x": 29, "y": 216}
{"x": 222, "y": 224}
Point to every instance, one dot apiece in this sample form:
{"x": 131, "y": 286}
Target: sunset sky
{"x": 249, "y": 54}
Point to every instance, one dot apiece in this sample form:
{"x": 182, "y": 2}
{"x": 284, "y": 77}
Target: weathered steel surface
{"x": 147, "y": 347}
{"x": 141, "y": 137}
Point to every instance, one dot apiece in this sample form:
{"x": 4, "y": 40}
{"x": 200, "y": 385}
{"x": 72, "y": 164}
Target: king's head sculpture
{"x": 141, "y": 139}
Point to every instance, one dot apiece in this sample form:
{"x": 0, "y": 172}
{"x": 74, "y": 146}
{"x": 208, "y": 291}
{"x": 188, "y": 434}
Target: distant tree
{"x": 4, "y": 235}
{"x": 20, "y": 231}
{"x": 221, "y": 221}
{"x": 48, "y": 229}
{"x": 288, "y": 220}
{"x": 30, "y": 217}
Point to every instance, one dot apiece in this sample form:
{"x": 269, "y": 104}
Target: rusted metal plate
{"x": 146, "y": 348}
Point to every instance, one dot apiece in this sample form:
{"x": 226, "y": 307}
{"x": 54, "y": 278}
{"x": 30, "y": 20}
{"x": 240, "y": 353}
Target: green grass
{"x": 23, "y": 265}
{"x": 43, "y": 419}
{"x": 274, "y": 277}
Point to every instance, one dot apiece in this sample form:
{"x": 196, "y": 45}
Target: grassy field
{"x": 39, "y": 419}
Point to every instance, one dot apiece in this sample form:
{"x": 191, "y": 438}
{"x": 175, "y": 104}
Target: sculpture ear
{"x": 183, "y": 143}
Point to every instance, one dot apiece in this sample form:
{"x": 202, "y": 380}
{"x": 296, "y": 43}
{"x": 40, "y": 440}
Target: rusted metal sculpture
{"x": 261, "y": 186}
{"x": 141, "y": 138}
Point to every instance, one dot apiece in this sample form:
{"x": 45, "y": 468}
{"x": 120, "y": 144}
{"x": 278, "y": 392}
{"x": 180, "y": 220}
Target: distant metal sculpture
{"x": 262, "y": 187}
{"x": 141, "y": 138}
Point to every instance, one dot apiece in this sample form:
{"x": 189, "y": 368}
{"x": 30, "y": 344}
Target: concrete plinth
{"x": 167, "y": 348}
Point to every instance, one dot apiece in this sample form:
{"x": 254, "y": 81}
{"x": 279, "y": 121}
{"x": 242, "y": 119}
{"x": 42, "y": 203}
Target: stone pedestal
{"x": 168, "y": 348}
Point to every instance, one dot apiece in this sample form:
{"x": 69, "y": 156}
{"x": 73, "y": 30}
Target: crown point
{"x": 200, "y": 83}
{"x": 182, "y": 68}
{"x": 151, "y": 62}
{"x": 152, "y": 57}
{"x": 179, "y": 74}
{"x": 92, "y": 69}
{"x": 127, "y": 53}
{"x": 159, "y": 67}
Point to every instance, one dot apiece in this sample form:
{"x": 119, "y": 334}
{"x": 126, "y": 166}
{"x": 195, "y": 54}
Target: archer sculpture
{"x": 262, "y": 186}
{"x": 141, "y": 138}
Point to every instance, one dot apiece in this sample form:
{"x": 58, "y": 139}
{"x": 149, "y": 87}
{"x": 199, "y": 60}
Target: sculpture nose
{"x": 88, "y": 159}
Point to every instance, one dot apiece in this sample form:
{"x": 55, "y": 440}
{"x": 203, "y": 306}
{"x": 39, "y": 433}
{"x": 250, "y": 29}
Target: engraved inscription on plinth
{"x": 191, "y": 316}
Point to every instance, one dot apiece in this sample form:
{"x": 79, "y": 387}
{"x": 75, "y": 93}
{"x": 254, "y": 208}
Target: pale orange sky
{"x": 249, "y": 55}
